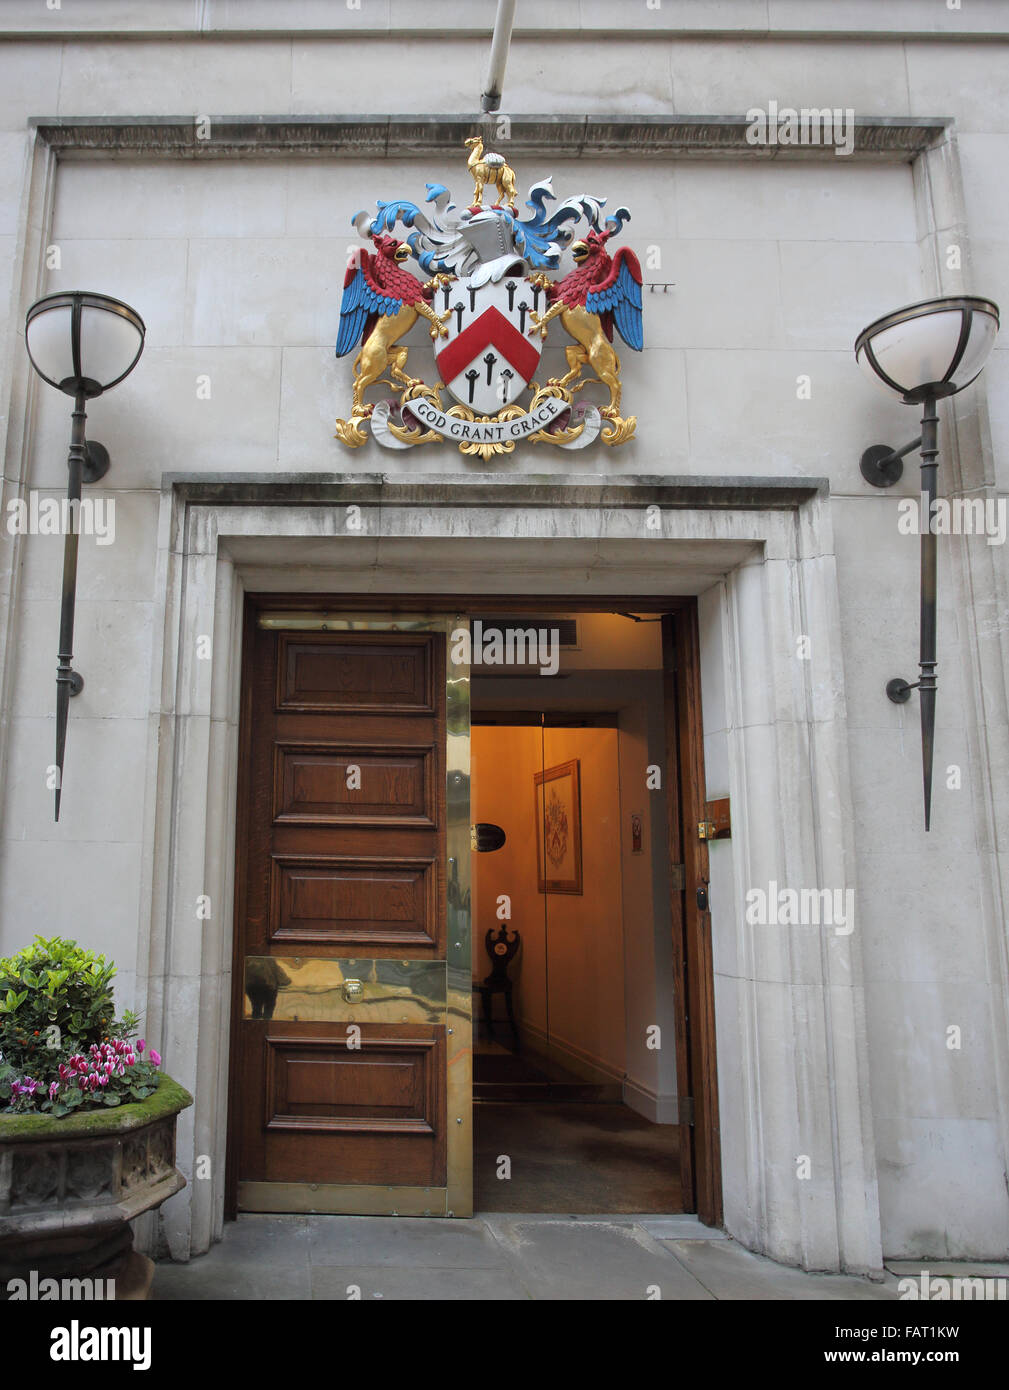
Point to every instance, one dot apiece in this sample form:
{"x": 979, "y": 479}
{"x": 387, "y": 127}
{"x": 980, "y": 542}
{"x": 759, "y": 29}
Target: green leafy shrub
{"x": 53, "y": 991}
{"x": 61, "y": 1046}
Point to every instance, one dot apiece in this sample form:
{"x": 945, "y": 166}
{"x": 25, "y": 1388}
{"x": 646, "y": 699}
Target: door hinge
{"x": 686, "y": 1110}
{"x": 716, "y": 824}
{"x": 677, "y": 877}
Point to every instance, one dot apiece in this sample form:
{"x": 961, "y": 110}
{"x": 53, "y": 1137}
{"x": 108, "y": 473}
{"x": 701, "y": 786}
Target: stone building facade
{"x": 834, "y": 1048}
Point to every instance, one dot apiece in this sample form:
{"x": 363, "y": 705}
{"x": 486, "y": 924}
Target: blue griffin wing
{"x": 362, "y": 300}
{"x": 617, "y": 300}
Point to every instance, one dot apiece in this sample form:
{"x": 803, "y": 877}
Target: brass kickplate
{"x": 343, "y": 1199}
{"x": 318, "y": 990}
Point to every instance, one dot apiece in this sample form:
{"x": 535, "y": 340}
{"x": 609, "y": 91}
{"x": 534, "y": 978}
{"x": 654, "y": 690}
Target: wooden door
{"x": 340, "y": 1041}
{"x": 693, "y": 965}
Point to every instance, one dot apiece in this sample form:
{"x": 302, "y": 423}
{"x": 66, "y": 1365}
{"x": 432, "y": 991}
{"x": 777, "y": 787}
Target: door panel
{"x": 373, "y": 1115}
{"x": 354, "y": 672}
{"x": 347, "y": 815}
{"x": 343, "y": 1040}
{"x": 363, "y": 902}
{"x": 326, "y": 784}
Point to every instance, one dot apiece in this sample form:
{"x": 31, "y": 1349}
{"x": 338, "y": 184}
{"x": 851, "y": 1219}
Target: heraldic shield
{"x": 488, "y": 358}
{"x": 486, "y": 307}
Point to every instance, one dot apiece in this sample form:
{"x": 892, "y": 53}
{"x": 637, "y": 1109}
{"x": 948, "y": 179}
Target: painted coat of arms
{"x": 488, "y": 302}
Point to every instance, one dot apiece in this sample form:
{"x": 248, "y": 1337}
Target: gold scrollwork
{"x": 486, "y": 449}
{"x": 415, "y": 434}
{"x": 619, "y": 430}
{"x": 615, "y": 431}
{"x": 352, "y": 432}
{"x": 540, "y": 393}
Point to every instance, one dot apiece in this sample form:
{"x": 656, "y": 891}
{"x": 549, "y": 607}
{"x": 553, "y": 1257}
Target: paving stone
{"x": 680, "y": 1228}
{"x": 953, "y": 1269}
{"x": 728, "y": 1271}
{"x": 400, "y": 1284}
{"x": 593, "y": 1260}
{"x": 218, "y": 1276}
{"x": 509, "y": 1257}
{"x": 282, "y": 1240}
{"x": 433, "y": 1243}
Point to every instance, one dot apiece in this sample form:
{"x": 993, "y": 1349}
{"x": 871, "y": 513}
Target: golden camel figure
{"x": 490, "y": 169}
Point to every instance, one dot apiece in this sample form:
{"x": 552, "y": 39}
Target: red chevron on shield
{"x": 488, "y": 359}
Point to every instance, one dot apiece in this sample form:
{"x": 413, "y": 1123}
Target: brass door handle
{"x": 353, "y": 990}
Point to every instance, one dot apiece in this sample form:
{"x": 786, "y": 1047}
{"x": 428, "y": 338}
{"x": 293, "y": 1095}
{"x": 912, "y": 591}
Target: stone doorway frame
{"x": 793, "y": 1073}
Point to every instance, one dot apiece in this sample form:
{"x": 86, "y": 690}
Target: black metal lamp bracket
{"x": 883, "y": 466}
{"x": 87, "y": 463}
{"x": 72, "y": 678}
{"x": 899, "y": 690}
{"x": 94, "y": 467}
{"x": 96, "y": 462}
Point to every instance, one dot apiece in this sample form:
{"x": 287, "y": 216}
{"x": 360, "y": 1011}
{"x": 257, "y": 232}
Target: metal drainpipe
{"x": 499, "y": 45}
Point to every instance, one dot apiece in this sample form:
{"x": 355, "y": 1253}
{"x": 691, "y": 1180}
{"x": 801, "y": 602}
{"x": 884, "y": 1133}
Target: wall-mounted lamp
{"x": 920, "y": 354}
{"x": 83, "y": 344}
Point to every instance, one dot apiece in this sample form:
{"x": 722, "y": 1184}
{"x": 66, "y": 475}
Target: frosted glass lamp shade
{"x": 934, "y": 348}
{"x": 83, "y": 343}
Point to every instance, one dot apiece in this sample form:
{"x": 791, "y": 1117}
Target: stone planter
{"x": 70, "y": 1187}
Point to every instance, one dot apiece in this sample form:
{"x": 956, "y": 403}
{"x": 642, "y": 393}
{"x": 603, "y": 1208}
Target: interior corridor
{"x": 571, "y": 940}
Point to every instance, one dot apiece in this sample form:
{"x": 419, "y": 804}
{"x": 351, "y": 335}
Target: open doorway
{"x": 575, "y": 1067}
{"x": 350, "y": 890}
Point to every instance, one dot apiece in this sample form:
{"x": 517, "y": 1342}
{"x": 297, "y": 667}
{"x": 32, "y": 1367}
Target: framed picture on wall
{"x": 559, "y": 828}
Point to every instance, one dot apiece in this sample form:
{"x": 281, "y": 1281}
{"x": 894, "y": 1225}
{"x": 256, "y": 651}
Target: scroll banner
{"x": 487, "y": 431}
{"x": 500, "y": 433}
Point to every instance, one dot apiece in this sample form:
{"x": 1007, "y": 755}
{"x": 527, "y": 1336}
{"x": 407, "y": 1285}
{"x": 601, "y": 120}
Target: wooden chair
{"x": 502, "y": 949}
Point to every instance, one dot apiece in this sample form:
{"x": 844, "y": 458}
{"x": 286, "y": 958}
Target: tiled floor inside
{"x": 498, "y": 1257}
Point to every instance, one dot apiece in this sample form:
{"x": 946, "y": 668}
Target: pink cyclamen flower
{"x": 64, "y": 1072}
{"x": 103, "y": 1080}
{"x": 141, "y": 1045}
{"x": 54, "y": 1087}
{"x": 155, "y": 1057}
